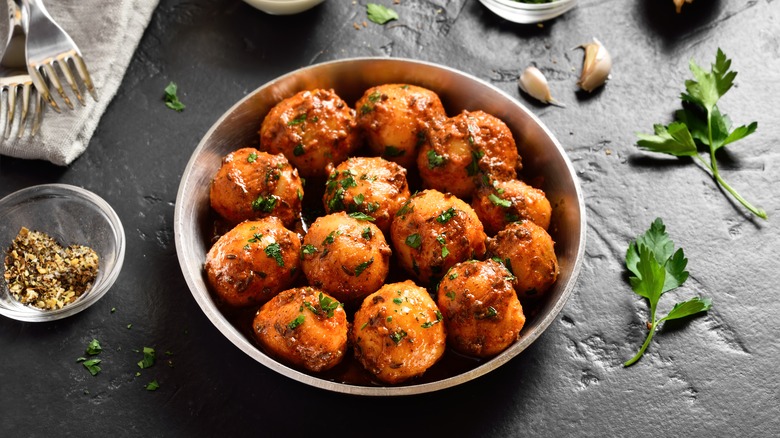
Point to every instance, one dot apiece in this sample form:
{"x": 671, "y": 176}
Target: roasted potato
{"x": 251, "y": 184}
{"x": 312, "y": 129}
{"x": 252, "y": 262}
{"x": 346, "y": 257}
{"x": 531, "y": 254}
{"x": 463, "y": 148}
{"x": 481, "y": 310}
{"x": 396, "y": 118}
{"x": 434, "y": 231}
{"x": 373, "y": 186}
{"x": 397, "y": 332}
{"x": 303, "y": 327}
{"x": 500, "y": 203}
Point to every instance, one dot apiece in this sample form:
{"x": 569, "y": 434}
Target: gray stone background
{"x": 713, "y": 375}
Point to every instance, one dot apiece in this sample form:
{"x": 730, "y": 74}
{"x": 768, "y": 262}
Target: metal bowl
{"x": 543, "y": 160}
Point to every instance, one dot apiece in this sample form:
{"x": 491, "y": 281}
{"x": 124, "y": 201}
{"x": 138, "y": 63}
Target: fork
{"x": 14, "y": 78}
{"x": 49, "y": 46}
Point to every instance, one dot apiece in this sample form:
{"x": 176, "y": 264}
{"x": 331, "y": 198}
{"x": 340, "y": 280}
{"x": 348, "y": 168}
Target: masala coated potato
{"x": 463, "y": 148}
{"x": 373, "y": 186}
{"x": 531, "y": 253}
{"x": 312, "y": 129}
{"x": 252, "y": 262}
{"x": 397, "y": 333}
{"x": 503, "y": 202}
{"x": 432, "y": 232}
{"x": 346, "y": 257}
{"x": 251, "y": 184}
{"x": 481, "y": 310}
{"x": 303, "y": 327}
{"x": 396, "y": 118}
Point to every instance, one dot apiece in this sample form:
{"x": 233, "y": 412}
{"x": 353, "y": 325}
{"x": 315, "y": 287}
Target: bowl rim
{"x": 240, "y": 341}
{"x": 98, "y": 289}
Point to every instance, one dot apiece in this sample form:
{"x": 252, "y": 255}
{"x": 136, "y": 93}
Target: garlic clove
{"x": 533, "y": 82}
{"x": 596, "y": 67}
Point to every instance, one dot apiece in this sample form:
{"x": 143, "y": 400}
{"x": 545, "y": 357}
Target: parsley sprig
{"x": 657, "y": 268}
{"x": 700, "y": 123}
{"x": 380, "y": 14}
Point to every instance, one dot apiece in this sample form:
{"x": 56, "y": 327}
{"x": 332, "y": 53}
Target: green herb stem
{"x": 649, "y": 338}
{"x": 715, "y": 174}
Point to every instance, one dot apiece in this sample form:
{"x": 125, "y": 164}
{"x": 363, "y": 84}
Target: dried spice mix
{"x": 42, "y": 274}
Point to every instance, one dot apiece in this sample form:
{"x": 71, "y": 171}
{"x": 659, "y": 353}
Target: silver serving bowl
{"x": 543, "y": 160}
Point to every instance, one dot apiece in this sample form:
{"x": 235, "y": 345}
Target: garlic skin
{"x": 596, "y": 67}
{"x": 533, "y": 82}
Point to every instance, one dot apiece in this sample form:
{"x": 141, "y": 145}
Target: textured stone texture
{"x": 711, "y": 376}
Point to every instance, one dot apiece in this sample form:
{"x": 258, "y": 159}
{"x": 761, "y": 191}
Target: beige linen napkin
{"x": 107, "y": 33}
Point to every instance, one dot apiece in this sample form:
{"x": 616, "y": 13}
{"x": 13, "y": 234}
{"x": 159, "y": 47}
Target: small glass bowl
{"x": 72, "y": 216}
{"x": 528, "y": 13}
{"x": 283, "y": 7}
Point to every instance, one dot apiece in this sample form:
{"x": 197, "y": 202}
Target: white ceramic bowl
{"x": 283, "y": 7}
{"x": 543, "y": 160}
{"x": 528, "y": 13}
{"x": 72, "y": 216}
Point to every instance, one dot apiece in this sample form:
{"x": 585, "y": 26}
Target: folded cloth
{"x": 107, "y": 33}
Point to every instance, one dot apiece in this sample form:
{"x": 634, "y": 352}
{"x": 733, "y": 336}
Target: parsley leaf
{"x": 92, "y": 365}
{"x": 499, "y": 202}
{"x": 446, "y": 215}
{"x": 380, "y": 14}
{"x": 94, "y": 348}
{"x": 361, "y": 216}
{"x": 363, "y": 266}
{"x": 328, "y": 304}
{"x": 172, "y": 99}
{"x": 274, "y": 251}
{"x": 657, "y": 268}
{"x": 296, "y": 322}
{"x": 149, "y": 358}
{"x": 152, "y": 386}
{"x": 434, "y": 159}
{"x": 414, "y": 240}
{"x": 701, "y": 124}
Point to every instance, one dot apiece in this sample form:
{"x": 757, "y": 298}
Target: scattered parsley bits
{"x": 363, "y": 266}
{"x": 299, "y": 119}
{"x": 308, "y": 249}
{"x": 92, "y": 365}
{"x": 274, "y": 251}
{"x": 359, "y": 198}
{"x": 367, "y": 233}
{"x": 701, "y": 123}
{"x": 296, "y": 322}
{"x": 398, "y": 336}
{"x": 434, "y": 159}
{"x": 657, "y": 268}
{"x": 490, "y": 312}
{"x": 499, "y": 202}
{"x": 446, "y": 216}
{"x": 361, "y": 217}
{"x": 328, "y": 304}
{"x": 172, "y": 98}
{"x": 414, "y": 240}
{"x": 264, "y": 204}
{"x": 149, "y": 358}
{"x": 298, "y": 150}
{"x": 152, "y": 386}
{"x": 94, "y": 348}
{"x": 251, "y": 158}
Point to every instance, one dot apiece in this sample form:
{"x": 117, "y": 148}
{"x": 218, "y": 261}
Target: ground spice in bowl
{"x": 42, "y": 274}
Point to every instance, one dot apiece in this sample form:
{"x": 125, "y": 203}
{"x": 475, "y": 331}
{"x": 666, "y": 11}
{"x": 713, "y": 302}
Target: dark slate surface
{"x": 713, "y": 375}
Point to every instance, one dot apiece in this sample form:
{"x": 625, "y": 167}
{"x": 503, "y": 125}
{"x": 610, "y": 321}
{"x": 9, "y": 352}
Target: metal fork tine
{"x": 63, "y": 63}
{"x": 38, "y": 114}
{"x": 55, "y": 81}
{"x": 26, "y": 88}
{"x": 81, "y": 68}
{"x": 11, "y": 101}
{"x": 43, "y": 89}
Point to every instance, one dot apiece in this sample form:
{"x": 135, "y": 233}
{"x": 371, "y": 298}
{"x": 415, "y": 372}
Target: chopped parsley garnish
{"x": 414, "y": 240}
{"x": 328, "y": 304}
{"x": 300, "y": 118}
{"x": 172, "y": 98}
{"x": 296, "y": 322}
{"x": 363, "y": 266}
{"x": 367, "y": 234}
{"x": 255, "y": 238}
{"x": 406, "y": 208}
{"x": 398, "y": 301}
{"x": 361, "y": 216}
{"x": 473, "y": 167}
{"x": 392, "y": 151}
{"x": 429, "y": 324}
{"x": 450, "y": 295}
{"x": 336, "y": 203}
{"x": 274, "y": 251}
{"x": 434, "y": 159}
{"x": 331, "y": 237}
{"x": 266, "y": 205}
{"x": 398, "y": 336}
{"x": 453, "y": 276}
{"x": 298, "y": 150}
{"x": 94, "y": 347}
{"x": 92, "y": 365}
{"x": 251, "y": 158}
{"x": 444, "y": 251}
{"x": 359, "y": 198}
{"x": 446, "y": 216}
{"x": 490, "y": 312}
{"x": 498, "y": 201}
{"x": 149, "y": 358}
{"x": 308, "y": 249}
{"x": 152, "y": 386}
{"x": 372, "y": 207}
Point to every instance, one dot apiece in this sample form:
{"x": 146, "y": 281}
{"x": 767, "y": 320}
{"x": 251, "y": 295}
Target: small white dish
{"x": 283, "y": 7}
{"x": 528, "y": 13}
